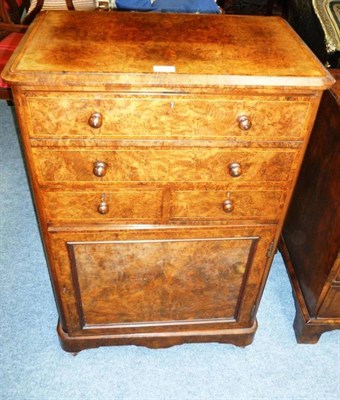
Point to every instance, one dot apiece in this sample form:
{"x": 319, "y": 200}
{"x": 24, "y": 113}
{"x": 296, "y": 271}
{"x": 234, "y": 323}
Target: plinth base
{"x": 238, "y": 337}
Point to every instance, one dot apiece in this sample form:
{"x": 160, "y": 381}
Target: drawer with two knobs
{"x": 177, "y": 116}
{"x": 260, "y": 166}
{"x": 150, "y": 204}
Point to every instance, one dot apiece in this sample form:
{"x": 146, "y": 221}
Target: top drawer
{"x": 70, "y": 115}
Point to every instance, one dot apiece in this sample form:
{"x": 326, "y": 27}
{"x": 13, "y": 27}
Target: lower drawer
{"x": 166, "y": 204}
{"x": 151, "y": 279}
{"x": 127, "y": 204}
{"x": 221, "y": 204}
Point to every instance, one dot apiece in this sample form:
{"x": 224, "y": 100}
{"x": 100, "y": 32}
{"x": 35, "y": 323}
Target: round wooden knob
{"x": 244, "y": 122}
{"x": 99, "y": 169}
{"x": 103, "y": 207}
{"x": 96, "y": 120}
{"x": 228, "y": 206}
{"x": 235, "y": 169}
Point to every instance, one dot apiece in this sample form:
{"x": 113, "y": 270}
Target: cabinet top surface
{"x": 86, "y": 48}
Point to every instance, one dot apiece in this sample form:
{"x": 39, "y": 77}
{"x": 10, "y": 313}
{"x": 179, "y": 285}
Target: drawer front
{"x": 159, "y": 116}
{"x": 127, "y": 204}
{"x": 147, "y": 204}
{"x": 223, "y": 205}
{"x": 164, "y": 165}
{"x": 160, "y": 278}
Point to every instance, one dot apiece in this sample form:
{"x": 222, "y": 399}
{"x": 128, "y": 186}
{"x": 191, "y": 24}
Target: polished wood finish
{"x": 161, "y": 195}
{"x": 214, "y": 164}
{"x": 209, "y": 117}
{"x": 204, "y": 49}
{"x": 311, "y": 234}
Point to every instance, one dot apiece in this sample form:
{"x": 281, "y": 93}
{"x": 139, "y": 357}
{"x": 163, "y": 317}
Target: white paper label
{"x": 164, "y": 68}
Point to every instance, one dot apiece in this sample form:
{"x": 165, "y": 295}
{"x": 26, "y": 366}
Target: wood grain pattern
{"x": 133, "y": 204}
{"x": 165, "y": 264}
{"x": 165, "y": 165}
{"x": 125, "y": 282}
{"x": 146, "y": 205}
{"x": 208, "y": 204}
{"x": 93, "y": 265}
{"x": 205, "y": 49}
{"x": 161, "y": 116}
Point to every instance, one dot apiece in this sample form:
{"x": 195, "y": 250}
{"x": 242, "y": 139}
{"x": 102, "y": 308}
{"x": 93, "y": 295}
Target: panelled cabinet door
{"x": 176, "y": 278}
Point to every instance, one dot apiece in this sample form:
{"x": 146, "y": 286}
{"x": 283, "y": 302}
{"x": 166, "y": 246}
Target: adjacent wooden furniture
{"x": 311, "y": 234}
{"x": 162, "y": 153}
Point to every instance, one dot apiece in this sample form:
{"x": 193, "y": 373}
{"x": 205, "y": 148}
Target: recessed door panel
{"x": 166, "y": 277}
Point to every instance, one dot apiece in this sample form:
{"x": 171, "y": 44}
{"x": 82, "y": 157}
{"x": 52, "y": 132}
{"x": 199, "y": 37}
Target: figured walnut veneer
{"x": 161, "y": 195}
{"x": 163, "y": 116}
{"x": 164, "y": 165}
{"x": 180, "y": 280}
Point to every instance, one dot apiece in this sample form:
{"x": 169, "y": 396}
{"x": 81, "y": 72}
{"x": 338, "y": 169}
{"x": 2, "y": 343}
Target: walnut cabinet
{"x": 162, "y": 154}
